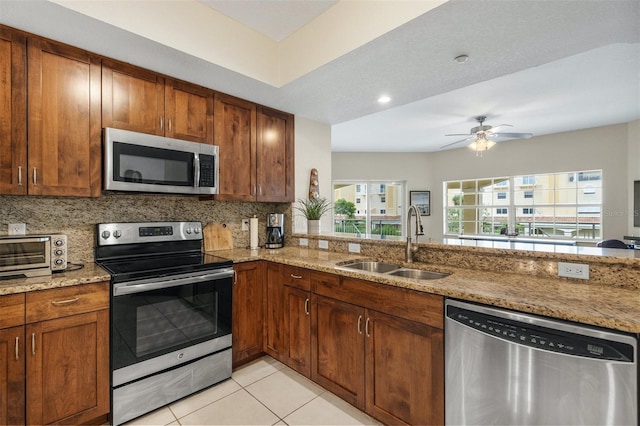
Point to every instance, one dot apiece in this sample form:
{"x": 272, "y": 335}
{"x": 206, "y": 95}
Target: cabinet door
{"x": 298, "y": 322}
{"x": 12, "y": 377}
{"x": 275, "y": 156}
{"x": 247, "y": 312}
{"x": 235, "y": 134}
{"x": 64, "y": 125}
{"x": 13, "y": 110}
{"x": 68, "y": 369}
{"x": 188, "y": 112}
{"x": 338, "y": 348}
{"x": 132, "y": 98}
{"x": 404, "y": 371}
{"x": 275, "y": 333}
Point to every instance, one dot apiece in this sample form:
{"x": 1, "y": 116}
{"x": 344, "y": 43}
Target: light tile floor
{"x": 264, "y": 392}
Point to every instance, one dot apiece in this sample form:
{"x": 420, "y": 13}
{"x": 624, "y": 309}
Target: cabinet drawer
{"x": 400, "y": 302}
{"x": 11, "y": 310}
{"x": 295, "y": 276}
{"x": 61, "y": 302}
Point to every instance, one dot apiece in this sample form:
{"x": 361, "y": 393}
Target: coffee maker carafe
{"x": 275, "y": 230}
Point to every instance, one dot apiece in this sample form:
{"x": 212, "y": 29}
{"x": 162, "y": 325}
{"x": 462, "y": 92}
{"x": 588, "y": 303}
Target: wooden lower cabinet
{"x": 247, "y": 312}
{"x": 404, "y": 370}
{"x": 388, "y": 366}
{"x": 12, "y": 384}
{"x": 275, "y": 343}
{"x": 68, "y": 369}
{"x": 338, "y": 348}
{"x": 54, "y": 356}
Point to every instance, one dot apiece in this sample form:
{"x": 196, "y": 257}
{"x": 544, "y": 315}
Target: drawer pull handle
{"x": 359, "y": 322}
{"x": 296, "y": 277}
{"x": 64, "y": 302}
{"x": 17, "y": 348}
{"x": 33, "y": 343}
{"x": 366, "y": 327}
{"x": 306, "y": 306}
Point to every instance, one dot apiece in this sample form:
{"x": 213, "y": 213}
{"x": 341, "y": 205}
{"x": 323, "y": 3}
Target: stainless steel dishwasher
{"x": 509, "y": 368}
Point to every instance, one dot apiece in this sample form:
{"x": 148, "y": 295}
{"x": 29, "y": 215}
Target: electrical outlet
{"x": 323, "y": 244}
{"x": 17, "y": 228}
{"x": 573, "y": 270}
{"x": 354, "y": 248}
{"x": 245, "y": 224}
{"x": 304, "y": 242}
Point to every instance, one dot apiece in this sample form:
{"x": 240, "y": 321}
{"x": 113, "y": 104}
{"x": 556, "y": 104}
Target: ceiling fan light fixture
{"x": 481, "y": 144}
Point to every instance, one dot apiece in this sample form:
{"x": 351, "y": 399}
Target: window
{"x": 554, "y": 205}
{"x": 371, "y": 208}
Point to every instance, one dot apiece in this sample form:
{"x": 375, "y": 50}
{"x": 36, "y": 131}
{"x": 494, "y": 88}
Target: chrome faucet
{"x": 412, "y": 248}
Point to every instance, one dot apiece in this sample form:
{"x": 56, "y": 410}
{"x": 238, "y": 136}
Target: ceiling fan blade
{"x": 456, "y": 142}
{"x": 512, "y": 135}
{"x": 459, "y": 134}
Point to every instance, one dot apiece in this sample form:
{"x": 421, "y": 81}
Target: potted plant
{"x": 313, "y": 209}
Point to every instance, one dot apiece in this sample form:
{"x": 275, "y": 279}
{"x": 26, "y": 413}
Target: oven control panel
{"x": 142, "y": 232}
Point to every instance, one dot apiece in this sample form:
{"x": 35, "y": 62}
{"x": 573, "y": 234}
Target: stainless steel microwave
{"x": 148, "y": 163}
{"x": 24, "y": 256}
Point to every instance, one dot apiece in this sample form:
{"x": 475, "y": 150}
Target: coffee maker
{"x": 275, "y": 230}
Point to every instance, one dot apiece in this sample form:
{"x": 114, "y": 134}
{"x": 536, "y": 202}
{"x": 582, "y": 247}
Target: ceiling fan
{"x": 480, "y": 136}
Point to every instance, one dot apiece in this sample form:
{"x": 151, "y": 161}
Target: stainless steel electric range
{"x": 170, "y": 314}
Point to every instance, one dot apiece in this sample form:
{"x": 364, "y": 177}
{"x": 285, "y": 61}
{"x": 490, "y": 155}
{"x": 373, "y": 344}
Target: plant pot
{"x": 313, "y": 226}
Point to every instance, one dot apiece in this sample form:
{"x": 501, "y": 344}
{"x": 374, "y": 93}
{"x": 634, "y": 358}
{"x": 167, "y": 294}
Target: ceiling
{"x": 543, "y": 66}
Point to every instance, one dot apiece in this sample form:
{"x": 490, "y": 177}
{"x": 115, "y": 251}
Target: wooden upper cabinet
{"x": 235, "y": 135}
{"x": 132, "y": 98}
{"x": 188, "y": 112}
{"x": 139, "y": 100}
{"x": 275, "y": 156}
{"x": 64, "y": 137}
{"x": 13, "y": 110}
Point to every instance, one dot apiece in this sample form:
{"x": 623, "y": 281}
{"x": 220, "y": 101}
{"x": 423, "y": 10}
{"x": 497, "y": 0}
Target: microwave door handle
{"x": 196, "y": 171}
{"x": 158, "y": 283}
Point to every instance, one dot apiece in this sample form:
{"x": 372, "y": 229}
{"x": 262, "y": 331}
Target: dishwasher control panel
{"x": 541, "y": 337}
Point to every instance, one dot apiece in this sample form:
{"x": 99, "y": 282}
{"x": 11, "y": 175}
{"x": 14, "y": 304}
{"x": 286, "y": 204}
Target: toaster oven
{"x": 23, "y": 256}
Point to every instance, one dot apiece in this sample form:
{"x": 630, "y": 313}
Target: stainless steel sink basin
{"x": 419, "y": 274}
{"x": 370, "y": 266}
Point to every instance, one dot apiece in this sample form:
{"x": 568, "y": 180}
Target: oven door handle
{"x": 160, "y": 283}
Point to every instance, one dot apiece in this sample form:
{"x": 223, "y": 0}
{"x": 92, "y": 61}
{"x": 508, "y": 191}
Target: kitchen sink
{"x": 394, "y": 269}
{"x": 370, "y": 266}
{"x": 418, "y": 274}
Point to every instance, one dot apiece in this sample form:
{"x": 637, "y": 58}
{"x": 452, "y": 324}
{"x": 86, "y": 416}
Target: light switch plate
{"x": 323, "y": 244}
{"x": 354, "y": 248}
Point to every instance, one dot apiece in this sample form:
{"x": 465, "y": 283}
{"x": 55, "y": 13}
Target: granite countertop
{"x": 600, "y": 305}
{"x": 90, "y": 273}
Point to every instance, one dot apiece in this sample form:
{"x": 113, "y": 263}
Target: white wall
{"x": 633, "y": 144}
{"x": 313, "y": 151}
{"x": 603, "y": 148}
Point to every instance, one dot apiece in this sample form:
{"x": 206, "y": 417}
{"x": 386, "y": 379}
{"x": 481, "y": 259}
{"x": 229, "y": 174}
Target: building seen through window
{"x": 368, "y": 208}
{"x": 556, "y": 205}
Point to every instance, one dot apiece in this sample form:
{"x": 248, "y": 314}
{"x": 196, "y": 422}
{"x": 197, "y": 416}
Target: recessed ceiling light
{"x": 461, "y": 59}
{"x": 384, "y": 99}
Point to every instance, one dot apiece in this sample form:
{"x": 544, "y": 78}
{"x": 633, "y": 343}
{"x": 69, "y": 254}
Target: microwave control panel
{"x": 207, "y": 168}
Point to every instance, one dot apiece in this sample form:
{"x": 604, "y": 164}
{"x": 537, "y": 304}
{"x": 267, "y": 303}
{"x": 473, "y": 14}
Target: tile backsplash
{"x": 77, "y": 217}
